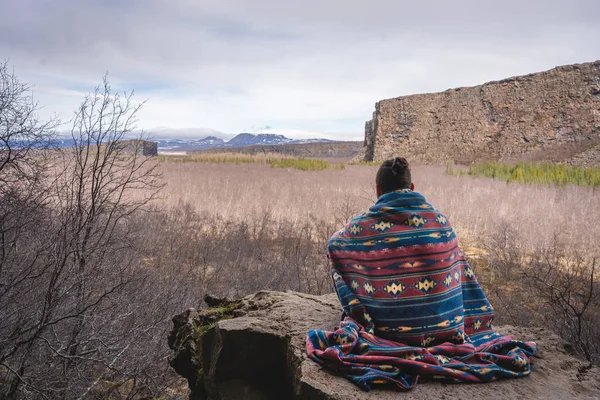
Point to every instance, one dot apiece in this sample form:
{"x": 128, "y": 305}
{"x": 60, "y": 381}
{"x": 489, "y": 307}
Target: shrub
{"x": 552, "y": 286}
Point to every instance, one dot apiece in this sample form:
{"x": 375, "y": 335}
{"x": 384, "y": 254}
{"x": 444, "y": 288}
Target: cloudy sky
{"x": 299, "y": 67}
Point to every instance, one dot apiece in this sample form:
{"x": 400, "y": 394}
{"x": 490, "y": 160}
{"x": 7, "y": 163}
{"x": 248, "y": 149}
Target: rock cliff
{"x": 552, "y": 115}
{"x": 150, "y": 149}
{"x": 254, "y": 349}
{"x": 143, "y": 147}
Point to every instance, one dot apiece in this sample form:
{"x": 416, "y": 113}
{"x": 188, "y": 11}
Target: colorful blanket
{"x": 412, "y": 304}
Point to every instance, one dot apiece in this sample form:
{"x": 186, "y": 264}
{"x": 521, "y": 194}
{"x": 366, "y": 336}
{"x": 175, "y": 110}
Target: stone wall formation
{"x": 552, "y": 115}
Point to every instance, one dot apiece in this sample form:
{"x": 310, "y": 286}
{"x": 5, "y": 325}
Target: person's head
{"x": 393, "y": 175}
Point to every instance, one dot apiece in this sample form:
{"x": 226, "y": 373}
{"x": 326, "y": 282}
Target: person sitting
{"x": 412, "y": 304}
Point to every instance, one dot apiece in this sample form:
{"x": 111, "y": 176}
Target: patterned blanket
{"x": 412, "y": 304}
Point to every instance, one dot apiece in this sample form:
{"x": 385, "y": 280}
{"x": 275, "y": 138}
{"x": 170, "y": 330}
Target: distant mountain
{"x": 61, "y": 141}
{"x": 241, "y": 140}
{"x": 209, "y": 142}
{"x": 42, "y": 143}
{"x": 185, "y": 133}
{"x": 248, "y": 139}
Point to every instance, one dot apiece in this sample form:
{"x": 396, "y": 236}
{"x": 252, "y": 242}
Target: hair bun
{"x": 393, "y": 174}
{"x": 396, "y": 165}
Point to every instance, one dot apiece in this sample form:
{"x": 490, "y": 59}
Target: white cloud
{"x": 305, "y": 68}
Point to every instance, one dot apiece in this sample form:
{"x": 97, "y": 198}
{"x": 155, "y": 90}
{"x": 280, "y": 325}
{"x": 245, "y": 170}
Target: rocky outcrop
{"x": 254, "y": 349}
{"x": 150, "y": 149}
{"x": 143, "y": 147}
{"x": 517, "y": 118}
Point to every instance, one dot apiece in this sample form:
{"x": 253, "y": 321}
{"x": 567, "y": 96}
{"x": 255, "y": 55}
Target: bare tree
{"x": 553, "y": 285}
{"x": 73, "y": 311}
{"x": 23, "y": 216}
{"x": 569, "y": 287}
{"x": 21, "y": 132}
{"x": 96, "y": 195}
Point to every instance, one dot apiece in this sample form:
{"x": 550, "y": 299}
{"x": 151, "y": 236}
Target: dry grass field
{"x": 477, "y": 207}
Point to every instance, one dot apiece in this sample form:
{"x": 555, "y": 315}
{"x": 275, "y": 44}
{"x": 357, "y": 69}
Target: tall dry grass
{"x": 272, "y": 159}
{"x": 476, "y": 206}
{"x": 242, "y": 191}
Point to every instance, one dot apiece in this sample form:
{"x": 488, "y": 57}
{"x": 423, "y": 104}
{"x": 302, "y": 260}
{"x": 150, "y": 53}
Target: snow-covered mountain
{"x": 248, "y": 139}
{"x": 241, "y": 140}
{"x": 189, "y": 144}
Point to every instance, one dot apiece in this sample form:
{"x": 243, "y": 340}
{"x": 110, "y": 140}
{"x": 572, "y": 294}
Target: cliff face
{"x": 143, "y": 147}
{"x": 254, "y": 348}
{"x": 534, "y": 116}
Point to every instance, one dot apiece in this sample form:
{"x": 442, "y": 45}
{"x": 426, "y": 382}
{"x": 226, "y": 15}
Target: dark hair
{"x": 393, "y": 175}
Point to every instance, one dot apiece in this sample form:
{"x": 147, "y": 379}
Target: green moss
{"x": 200, "y": 330}
{"x": 211, "y": 317}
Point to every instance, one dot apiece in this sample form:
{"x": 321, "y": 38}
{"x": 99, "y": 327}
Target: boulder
{"x": 254, "y": 348}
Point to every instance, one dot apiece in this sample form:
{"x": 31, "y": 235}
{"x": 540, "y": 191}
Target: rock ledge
{"x": 253, "y": 348}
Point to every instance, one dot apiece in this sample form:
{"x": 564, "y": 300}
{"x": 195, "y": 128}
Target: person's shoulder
{"x": 343, "y": 232}
{"x": 338, "y": 234}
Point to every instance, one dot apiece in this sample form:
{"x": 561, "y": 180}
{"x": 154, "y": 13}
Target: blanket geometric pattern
{"x": 412, "y": 304}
